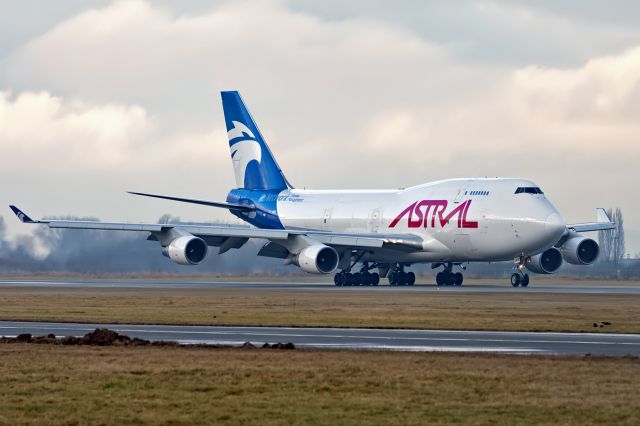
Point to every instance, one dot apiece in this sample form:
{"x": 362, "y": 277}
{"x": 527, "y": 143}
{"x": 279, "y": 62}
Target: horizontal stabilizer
{"x": 229, "y": 206}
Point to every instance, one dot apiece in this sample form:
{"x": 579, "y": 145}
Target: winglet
{"x": 602, "y": 216}
{"x": 21, "y": 215}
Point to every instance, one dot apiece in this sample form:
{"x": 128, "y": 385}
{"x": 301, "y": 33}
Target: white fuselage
{"x": 458, "y": 220}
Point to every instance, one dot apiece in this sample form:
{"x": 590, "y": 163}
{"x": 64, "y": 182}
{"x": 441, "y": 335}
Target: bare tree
{"x": 605, "y": 240}
{"x": 612, "y": 244}
{"x": 618, "y": 243}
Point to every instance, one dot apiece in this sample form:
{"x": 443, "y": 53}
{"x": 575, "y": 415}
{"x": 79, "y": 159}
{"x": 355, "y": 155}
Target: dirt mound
{"x": 278, "y": 345}
{"x": 98, "y": 337}
{"x": 106, "y": 337}
{"x": 102, "y": 337}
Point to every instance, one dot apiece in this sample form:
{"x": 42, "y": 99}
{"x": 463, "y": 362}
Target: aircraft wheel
{"x": 402, "y": 278}
{"x": 515, "y": 280}
{"x": 451, "y": 278}
{"x": 439, "y": 278}
{"x": 375, "y": 278}
{"x": 392, "y": 278}
{"x": 364, "y": 278}
{"x": 458, "y": 278}
{"x": 346, "y": 279}
{"x": 411, "y": 278}
{"x": 336, "y": 279}
{"x": 525, "y": 280}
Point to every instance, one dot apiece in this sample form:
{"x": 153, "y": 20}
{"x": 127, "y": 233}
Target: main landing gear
{"x": 398, "y": 276}
{"x": 448, "y": 277}
{"x": 359, "y": 278}
{"x": 520, "y": 277}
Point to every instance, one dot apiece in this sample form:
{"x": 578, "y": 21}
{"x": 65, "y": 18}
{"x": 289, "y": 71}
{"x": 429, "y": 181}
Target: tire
{"x": 411, "y": 278}
{"x": 347, "y": 280}
{"x": 515, "y": 280}
{"x": 375, "y": 279}
{"x": 357, "y": 279}
{"x": 439, "y": 278}
{"x": 451, "y": 279}
{"x": 336, "y": 279}
{"x": 402, "y": 278}
{"x": 365, "y": 279}
{"x": 458, "y": 278}
{"x": 392, "y": 279}
{"x": 525, "y": 280}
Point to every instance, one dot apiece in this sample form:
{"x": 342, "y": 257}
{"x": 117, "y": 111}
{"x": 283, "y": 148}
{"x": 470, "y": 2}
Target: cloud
{"x": 88, "y": 135}
{"x": 120, "y": 97}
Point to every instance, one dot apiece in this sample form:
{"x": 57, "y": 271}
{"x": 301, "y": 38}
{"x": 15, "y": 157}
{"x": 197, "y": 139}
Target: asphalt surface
{"x": 359, "y": 338}
{"x": 178, "y": 284}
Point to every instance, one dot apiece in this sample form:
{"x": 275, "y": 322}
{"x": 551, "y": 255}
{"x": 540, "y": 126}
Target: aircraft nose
{"x": 554, "y": 224}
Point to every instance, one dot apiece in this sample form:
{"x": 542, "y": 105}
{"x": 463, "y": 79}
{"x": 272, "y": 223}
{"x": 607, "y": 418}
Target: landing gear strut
{"x": 448, "y": 277}
{"x": 520, "y": 277}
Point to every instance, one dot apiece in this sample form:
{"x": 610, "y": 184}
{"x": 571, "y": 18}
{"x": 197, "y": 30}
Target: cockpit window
{"x": 529, "y": 190}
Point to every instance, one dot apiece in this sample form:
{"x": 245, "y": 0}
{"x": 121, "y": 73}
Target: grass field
{"x": 47, "y": 384}
{"x": 325, "y": 307}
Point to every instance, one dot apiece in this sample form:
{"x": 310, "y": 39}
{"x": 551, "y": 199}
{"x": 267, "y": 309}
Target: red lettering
{"x": 423, "y": 215}
{"x": 401, "y": 215}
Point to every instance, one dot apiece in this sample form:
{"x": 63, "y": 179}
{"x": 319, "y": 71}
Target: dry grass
{"x": 87, "y": 385}
{"x": 325, "y": 307}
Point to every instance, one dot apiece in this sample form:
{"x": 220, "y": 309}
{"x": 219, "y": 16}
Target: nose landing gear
{"x": 520, "y": 278}
{"x": 447, "y": 276}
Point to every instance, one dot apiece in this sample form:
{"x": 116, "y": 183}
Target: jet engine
{"x": 580, "y": 250}
{"x": 318, "y": 259}
{"x": 186, "y": 250}
{"x": 546, "y": 262}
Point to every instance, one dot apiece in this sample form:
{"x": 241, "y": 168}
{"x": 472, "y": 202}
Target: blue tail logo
{"x": 254, "y": 166}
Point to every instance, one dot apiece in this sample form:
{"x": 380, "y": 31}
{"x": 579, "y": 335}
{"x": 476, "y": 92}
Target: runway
{"x": 190, "y": 284}
{"x": 359, "y": 338}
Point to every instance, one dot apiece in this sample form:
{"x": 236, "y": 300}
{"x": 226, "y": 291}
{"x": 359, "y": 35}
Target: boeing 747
{"x": 351, "y": 233}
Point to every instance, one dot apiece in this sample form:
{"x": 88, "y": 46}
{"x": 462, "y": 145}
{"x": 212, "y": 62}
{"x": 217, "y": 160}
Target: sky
{"x": 101, "y": 97}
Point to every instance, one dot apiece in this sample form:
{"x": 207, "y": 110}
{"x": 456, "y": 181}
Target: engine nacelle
{"x": 318, "y": 259}
{"x": 546, "y": 262}
{"x": 580, "y": 250}
{"x": 186, "y": 250}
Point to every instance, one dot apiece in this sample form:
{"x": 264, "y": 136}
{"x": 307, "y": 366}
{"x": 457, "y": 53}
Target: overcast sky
{"x": 97, "y": 98}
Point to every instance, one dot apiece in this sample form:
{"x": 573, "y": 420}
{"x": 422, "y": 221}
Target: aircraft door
{"x": 326, "y": 219}
{"x": 462, "y": 191}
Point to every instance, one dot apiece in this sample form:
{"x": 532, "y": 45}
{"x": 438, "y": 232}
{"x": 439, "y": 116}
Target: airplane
{"x": 448, "y": 223}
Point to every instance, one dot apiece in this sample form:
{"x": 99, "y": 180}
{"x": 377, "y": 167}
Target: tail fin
{"x": 253, "y": 163}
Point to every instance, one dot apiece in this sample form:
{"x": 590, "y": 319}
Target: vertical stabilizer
{"x": 253, "y": 164}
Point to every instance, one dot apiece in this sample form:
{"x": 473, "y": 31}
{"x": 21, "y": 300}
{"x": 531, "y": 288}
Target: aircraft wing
{"x": 603, "y": 223}
{"x": 227, "y": 237}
